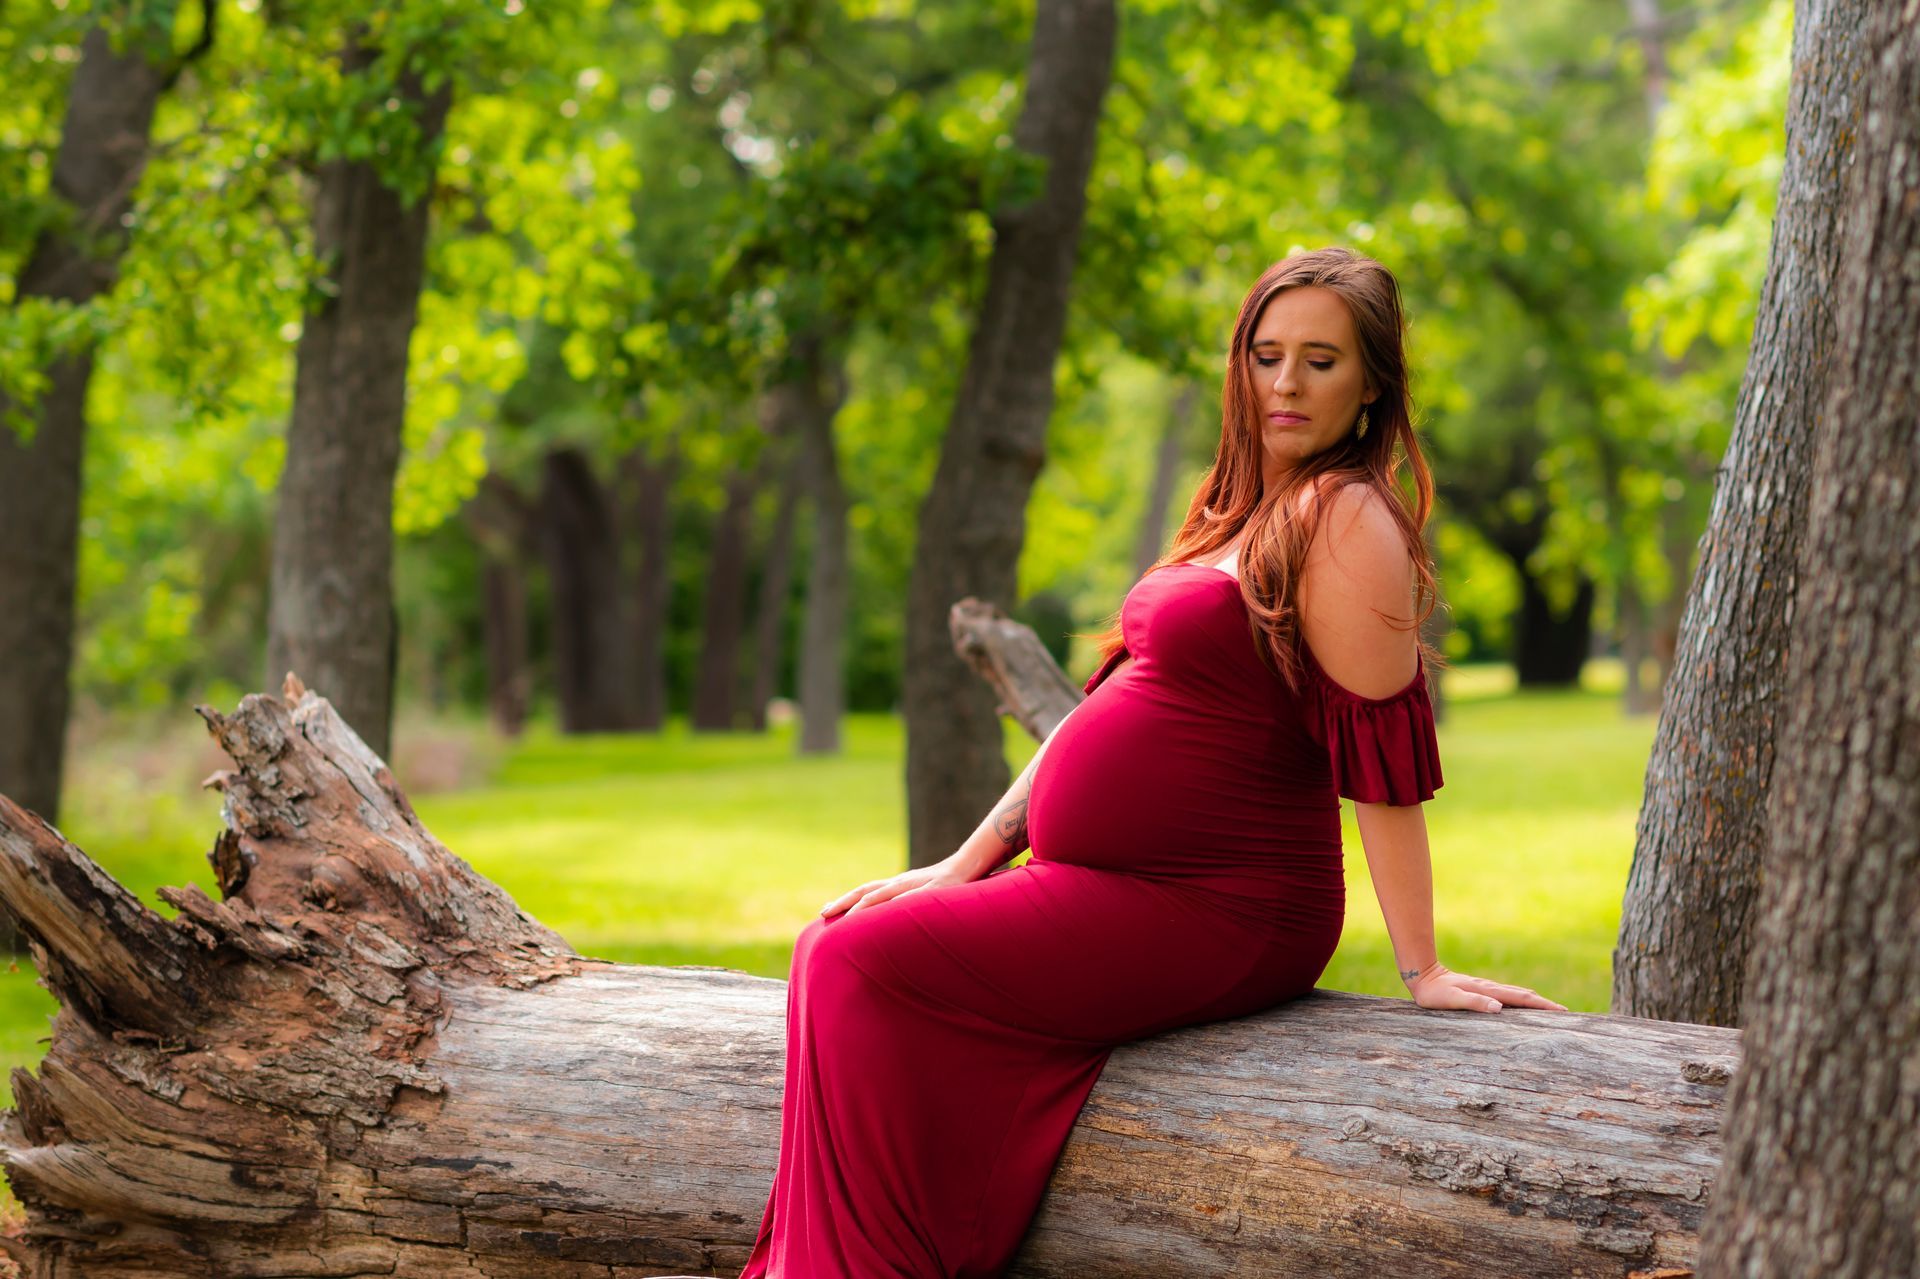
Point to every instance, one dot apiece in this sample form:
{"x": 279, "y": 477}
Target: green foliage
{"x": 637, "y": 209}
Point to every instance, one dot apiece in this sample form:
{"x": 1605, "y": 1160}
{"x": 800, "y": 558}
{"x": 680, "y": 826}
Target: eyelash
{"x": 1265, "y": 363}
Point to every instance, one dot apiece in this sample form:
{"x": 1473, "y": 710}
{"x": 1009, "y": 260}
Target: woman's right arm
{"x": 995, "y": 842}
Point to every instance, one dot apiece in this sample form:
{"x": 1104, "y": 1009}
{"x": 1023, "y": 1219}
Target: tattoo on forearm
{"x": 1010, "y": 824}
{"x": 1408, "y": 974}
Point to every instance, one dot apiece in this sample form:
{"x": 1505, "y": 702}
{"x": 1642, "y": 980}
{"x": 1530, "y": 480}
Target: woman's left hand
{"x": 1439, "y": 987}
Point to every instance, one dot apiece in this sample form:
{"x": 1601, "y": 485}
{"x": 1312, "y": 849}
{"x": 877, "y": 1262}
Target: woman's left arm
{"x": 1395, "y": 840}
{"x": 1355, "y": 609}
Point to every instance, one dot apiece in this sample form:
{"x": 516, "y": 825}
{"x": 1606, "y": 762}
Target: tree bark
{"x": 593, "y": 670}
{"x": 1686, "y": 922}
{"x": 1823, "y": 1169}
{"x": 973, "y": 521}
{"x": 724, "y": 611}
{"x": 331, "y": 614}
{"x": 367, "y": 1060}
{"x": 103, "y": 150}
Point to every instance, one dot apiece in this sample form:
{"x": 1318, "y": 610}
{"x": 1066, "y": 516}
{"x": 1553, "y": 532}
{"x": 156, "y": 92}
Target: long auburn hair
{"x": 1283, "y": 522}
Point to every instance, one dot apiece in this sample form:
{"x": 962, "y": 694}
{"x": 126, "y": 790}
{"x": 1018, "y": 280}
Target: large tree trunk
{"x": 973, "y": 522}
{"x": 649, "y": 483}
{"x": 366, "y": 1060}
{"x": 331, "y": 614}
{"x": 724, "y": 610}
{"x": 1823, "y": 1137}
{"x": 592, "y": 665}
{"x": 814, "y": 394}
{"x": 103, "y": 148}
{"x": 1685, "y": 925}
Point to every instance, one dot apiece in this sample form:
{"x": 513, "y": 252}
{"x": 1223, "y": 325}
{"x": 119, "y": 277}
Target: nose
{"x": 1283, "y": 378}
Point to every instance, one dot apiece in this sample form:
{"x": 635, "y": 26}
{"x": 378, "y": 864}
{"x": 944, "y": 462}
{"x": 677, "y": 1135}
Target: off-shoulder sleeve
{"x": 1114, "y": 659}
{"x": 1383, "y": 750}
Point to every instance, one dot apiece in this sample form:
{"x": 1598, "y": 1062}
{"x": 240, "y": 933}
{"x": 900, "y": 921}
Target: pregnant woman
{"x": 945, "y": 1026}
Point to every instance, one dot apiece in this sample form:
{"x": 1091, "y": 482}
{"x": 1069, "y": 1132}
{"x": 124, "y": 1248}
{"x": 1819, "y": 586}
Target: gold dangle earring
{"x": 1360, "y": 432}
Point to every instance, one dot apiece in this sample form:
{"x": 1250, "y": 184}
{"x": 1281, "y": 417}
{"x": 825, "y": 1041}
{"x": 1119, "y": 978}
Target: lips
{"x": 1285, "y": 417}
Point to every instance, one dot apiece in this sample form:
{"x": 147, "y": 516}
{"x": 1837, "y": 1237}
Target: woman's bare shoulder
{"x": 1356, "y": 598}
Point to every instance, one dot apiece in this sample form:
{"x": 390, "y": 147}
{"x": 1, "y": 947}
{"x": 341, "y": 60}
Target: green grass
{"x": 702, "y": 849}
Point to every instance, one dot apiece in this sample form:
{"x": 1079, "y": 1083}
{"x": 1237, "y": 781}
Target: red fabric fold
{"x": 1383, "y": 750}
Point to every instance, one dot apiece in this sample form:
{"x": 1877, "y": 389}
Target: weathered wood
{"x": 1014, "y": 663}
{"x": 367, "y": 1060}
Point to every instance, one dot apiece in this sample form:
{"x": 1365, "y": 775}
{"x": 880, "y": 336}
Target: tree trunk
{"x": 1550, "y": 646}
{"x": 592, "y": 666}
{"x": 1152, "y": 540}
{"x": 723, "y": 619}
{"x": 815, "y": 393}
{"x": 973, "y": 521}
{"x": 650, "y": 513}
{"x": 331, "y": 614}
{"x": 1823, "y": 1169}
{"x": 367, "y": 1060}
{"x": 776, "y": 581}
{"x": 506, "y": 531}
{"x": 103, "y": 149}
{"x": 1686, "y": 921}
{"x": 503, "y": 587}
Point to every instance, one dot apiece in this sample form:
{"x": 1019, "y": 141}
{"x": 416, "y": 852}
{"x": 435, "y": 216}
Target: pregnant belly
{"x": 1133, "y": 781}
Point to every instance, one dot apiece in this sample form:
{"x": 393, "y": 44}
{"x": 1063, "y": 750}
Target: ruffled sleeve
{"x": 1383, "y": 750}
{"x": 1118, "y": 656}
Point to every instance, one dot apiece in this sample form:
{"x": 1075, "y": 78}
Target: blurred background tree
{"x": 697, "y": 288}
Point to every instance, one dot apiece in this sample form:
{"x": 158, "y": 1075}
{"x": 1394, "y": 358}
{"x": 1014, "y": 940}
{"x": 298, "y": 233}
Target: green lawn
{"x": 700, "y": 849}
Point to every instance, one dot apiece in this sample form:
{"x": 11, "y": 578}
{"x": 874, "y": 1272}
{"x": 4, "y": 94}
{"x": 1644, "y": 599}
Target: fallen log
{"x": 366, "y": 1060}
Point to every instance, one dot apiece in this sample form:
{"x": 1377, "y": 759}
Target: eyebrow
{"x": 1270, "y": 342}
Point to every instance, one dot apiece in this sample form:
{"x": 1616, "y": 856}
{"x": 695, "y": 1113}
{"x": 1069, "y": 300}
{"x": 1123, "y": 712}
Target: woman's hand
{"x": 1437, "y": 986}
{"x": 875, "y": 891}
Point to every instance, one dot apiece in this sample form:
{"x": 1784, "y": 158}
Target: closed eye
{"x": 1266, "y": 363}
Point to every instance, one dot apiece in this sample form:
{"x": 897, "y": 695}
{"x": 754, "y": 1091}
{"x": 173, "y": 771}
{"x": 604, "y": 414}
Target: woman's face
{"x": 1307, "y": 378}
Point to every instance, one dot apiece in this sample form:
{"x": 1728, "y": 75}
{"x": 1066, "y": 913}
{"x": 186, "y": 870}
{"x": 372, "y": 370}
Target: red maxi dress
{"x": 1186, "y": 868}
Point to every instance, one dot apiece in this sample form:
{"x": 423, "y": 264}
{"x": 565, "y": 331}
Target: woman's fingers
{"x": 848, "y": 898}
{"x": 1510, "y": 995}
{"x": 885, "y": 890}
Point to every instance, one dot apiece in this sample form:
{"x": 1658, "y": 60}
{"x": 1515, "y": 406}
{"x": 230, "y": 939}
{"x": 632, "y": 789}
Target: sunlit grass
{"x": 715, "y": 849}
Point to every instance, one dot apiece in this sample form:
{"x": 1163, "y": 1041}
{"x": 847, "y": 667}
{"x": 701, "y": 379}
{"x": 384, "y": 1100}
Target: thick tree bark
{"x": 814, "y": 392}
{"x": 593, "y": 669}
{"x": 1151, "y": 542}
{"x": 1686, "y": 923}
{"x": 103, "y": 150}
{"x": 1823, "y": 1165}
{"x": 331, "y": 612}
{"x": 776, "y": 581}
{"x": 973, "y": 521}
{"x": 723, "y": 618}
{"x": 649, "y": 482}
{"x": 366, "y": 1060}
